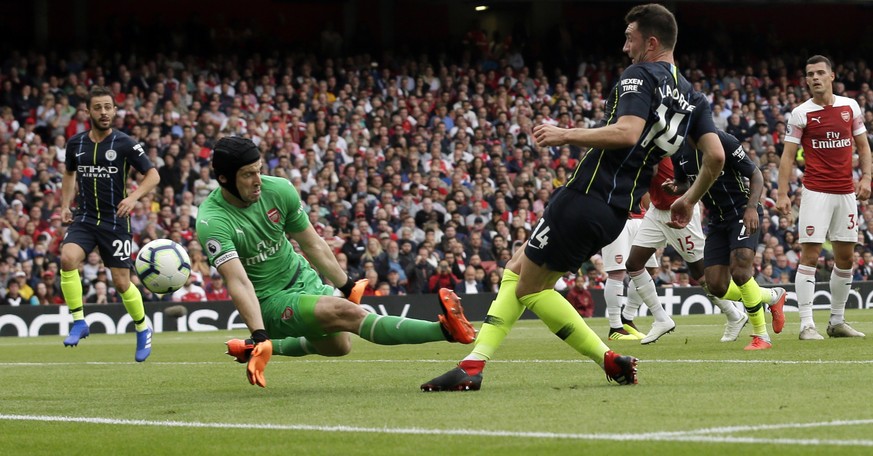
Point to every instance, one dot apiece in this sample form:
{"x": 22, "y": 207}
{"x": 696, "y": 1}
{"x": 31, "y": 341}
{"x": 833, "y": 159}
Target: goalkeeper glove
{"x": 260, "y": 356}
{"x": 354, "y": 291}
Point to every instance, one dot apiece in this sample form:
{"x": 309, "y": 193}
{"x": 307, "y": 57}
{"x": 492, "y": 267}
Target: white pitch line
{"x": 432, "y": 361}
{"x": 662, "y": 437}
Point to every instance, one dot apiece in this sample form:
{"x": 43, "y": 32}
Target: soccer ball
{"x": 163, "y": 266}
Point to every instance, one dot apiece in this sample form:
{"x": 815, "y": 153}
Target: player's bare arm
{"x": 786, "y": 165}
{"x": 624, "y": 133}
{"x": 149, "y": 182}
{"x": 320, "y": 255}
{"x": 242, "y": 292}
{"x": 863, "y": 186}
{"x": 756, "y": 188}
{"x": 68, "y": 191}
{"x": 682, "y": 209}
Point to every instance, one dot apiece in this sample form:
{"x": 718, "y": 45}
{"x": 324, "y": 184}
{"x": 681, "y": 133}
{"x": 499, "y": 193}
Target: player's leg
{"x": 77, "y": 242}
{"x": 843, "y": 233}
{"x": 504, "y": 311}
{"x": 614, "y": 257}
{"x": 812, "y": 223}
{"x": 115, "y": 252}
{"x": 754, "y": 297}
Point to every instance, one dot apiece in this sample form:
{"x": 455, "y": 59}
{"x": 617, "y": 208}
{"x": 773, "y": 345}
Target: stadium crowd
{"x": 420, "y": 173}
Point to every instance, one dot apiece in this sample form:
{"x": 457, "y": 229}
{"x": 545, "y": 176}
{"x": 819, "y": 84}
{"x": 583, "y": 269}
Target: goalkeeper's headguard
{"x": 229, "y": 155}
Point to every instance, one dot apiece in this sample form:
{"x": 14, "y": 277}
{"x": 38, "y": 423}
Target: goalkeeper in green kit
{"x": 243, "y": 228}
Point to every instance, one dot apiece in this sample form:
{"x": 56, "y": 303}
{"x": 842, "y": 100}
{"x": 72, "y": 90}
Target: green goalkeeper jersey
{"x": 256, "y": 235}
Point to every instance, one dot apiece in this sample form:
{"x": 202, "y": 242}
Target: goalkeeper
{"x": 242, "y": 226}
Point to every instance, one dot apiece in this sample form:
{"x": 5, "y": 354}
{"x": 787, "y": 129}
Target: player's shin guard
{"x": 132, "y": 300}
{"x": 804, "y": 285}
{"x": 391, "y": 330}
{"x": 293, "y": 346}
{"x": 71, "y": 287}
{"x": 504, "y": 311}
{"x": 563, "y": 320}
{"x": 841, "y": 283}
{"x": 754, "y": 304}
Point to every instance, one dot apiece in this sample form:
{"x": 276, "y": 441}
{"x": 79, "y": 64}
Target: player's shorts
{"x": 727, "y": 236}
{"x": 615, "y": 254}
{"x": 291, "y": 312}
{"x": 114, "y": 247}
{"x": 573, "y": 227}
{"x": 655, "y": 233}
{"x": 827, "y": 216}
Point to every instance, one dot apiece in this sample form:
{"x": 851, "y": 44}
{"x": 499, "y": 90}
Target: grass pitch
{"x": 696, "y": 396}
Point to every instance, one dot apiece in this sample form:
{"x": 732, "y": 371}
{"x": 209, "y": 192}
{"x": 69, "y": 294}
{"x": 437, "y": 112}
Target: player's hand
{"x": 750, "y": 220}
{"x": 669, "y": 186}
{"x": 783, "y": 205}
{"x": 66, "y": 216}
{"x": 358, "y": 291}
{"x": 681, "y": 212}
{"x": 862, "y": 189}
{"x": 549, "y": 135}
{"x": 258, "y": 362}
{"x": 125, "y": 207}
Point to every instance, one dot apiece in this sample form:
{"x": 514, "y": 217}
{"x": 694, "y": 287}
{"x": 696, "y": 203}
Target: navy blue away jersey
{"x": 729, "y": 195}
{"x": 673, "y": 111}
{"x": 101, "y": 173}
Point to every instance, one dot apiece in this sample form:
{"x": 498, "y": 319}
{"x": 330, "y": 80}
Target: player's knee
{"x": 717, "y": 289}
{"x": 741, "y": 275}
{"x": 340, "y": 346}
{"x": 337, "y": 314}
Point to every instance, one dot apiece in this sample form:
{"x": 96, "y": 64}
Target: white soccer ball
{"x": 163, "y": 266}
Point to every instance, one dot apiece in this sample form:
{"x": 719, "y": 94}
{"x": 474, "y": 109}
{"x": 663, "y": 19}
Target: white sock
{"x": 634, "y": 301}
{"x": 612, "y": 292}
{"x": 841, "y": 283}
{"x": 804, "y": 285}
{"x": 646, "y": 288}
{"x": 727, "y": 307}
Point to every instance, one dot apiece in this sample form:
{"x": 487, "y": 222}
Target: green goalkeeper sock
{"x": 390, "y": 330}
{"x": 132, "y": 300}
{"x": 71, "y": 287}
{"x": 293, "y": 346}
{"x": 502, "y": 315}
{"x": 563, "y": 320}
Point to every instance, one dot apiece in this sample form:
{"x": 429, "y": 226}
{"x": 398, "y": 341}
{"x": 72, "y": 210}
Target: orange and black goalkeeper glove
{"x": 260, "y": 357}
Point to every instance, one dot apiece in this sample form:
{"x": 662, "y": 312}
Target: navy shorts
{"x": 114, "y": 247}
{"x": 727, "y": 236}
{"x": 573, "y": 227}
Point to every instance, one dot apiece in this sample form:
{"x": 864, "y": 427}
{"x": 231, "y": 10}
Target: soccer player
{"x": 735, "y": 212}
{"x": 615, "y": 256}
{"x": 652, "y": 111}
{"x": 828, "y": 127}
{"x": 97, "y": 162}
{"x": 689, "y": 243}
{"x": 242, "y": 226}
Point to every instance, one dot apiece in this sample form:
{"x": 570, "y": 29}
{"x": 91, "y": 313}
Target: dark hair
{"x": 655, "y": 20}
{"x": 820, "y": 59}
{"x": 98, "y": 91}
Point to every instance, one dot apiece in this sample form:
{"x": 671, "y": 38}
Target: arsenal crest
{"x": 845, "y": 115}
{"x": 287, "y": 313}
{"x": 809, "y": 230}
{"x": 273, "y": 215}
{"x": 619, "y": 259}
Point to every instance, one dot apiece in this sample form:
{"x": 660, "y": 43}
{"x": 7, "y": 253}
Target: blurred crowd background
{"x": 412, "y": 154}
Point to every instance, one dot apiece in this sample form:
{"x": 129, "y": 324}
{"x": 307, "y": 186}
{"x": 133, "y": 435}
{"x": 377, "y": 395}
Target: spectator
{"x": 580, "y": 297}
{"x": 469, "y": 285}
{"x": 190, "y": 292}
{"x": 216, "y": 291}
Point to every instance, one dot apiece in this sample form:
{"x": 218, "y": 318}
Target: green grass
{"x": 696, "y": 396}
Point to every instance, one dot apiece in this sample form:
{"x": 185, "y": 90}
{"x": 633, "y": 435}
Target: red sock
{"x": 471, "y": 366}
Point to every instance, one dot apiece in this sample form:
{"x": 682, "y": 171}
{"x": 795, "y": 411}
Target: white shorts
{"x": 615, "y": 254}
{"x": 827, "y": 216}
{"x": 654, "y": 233}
